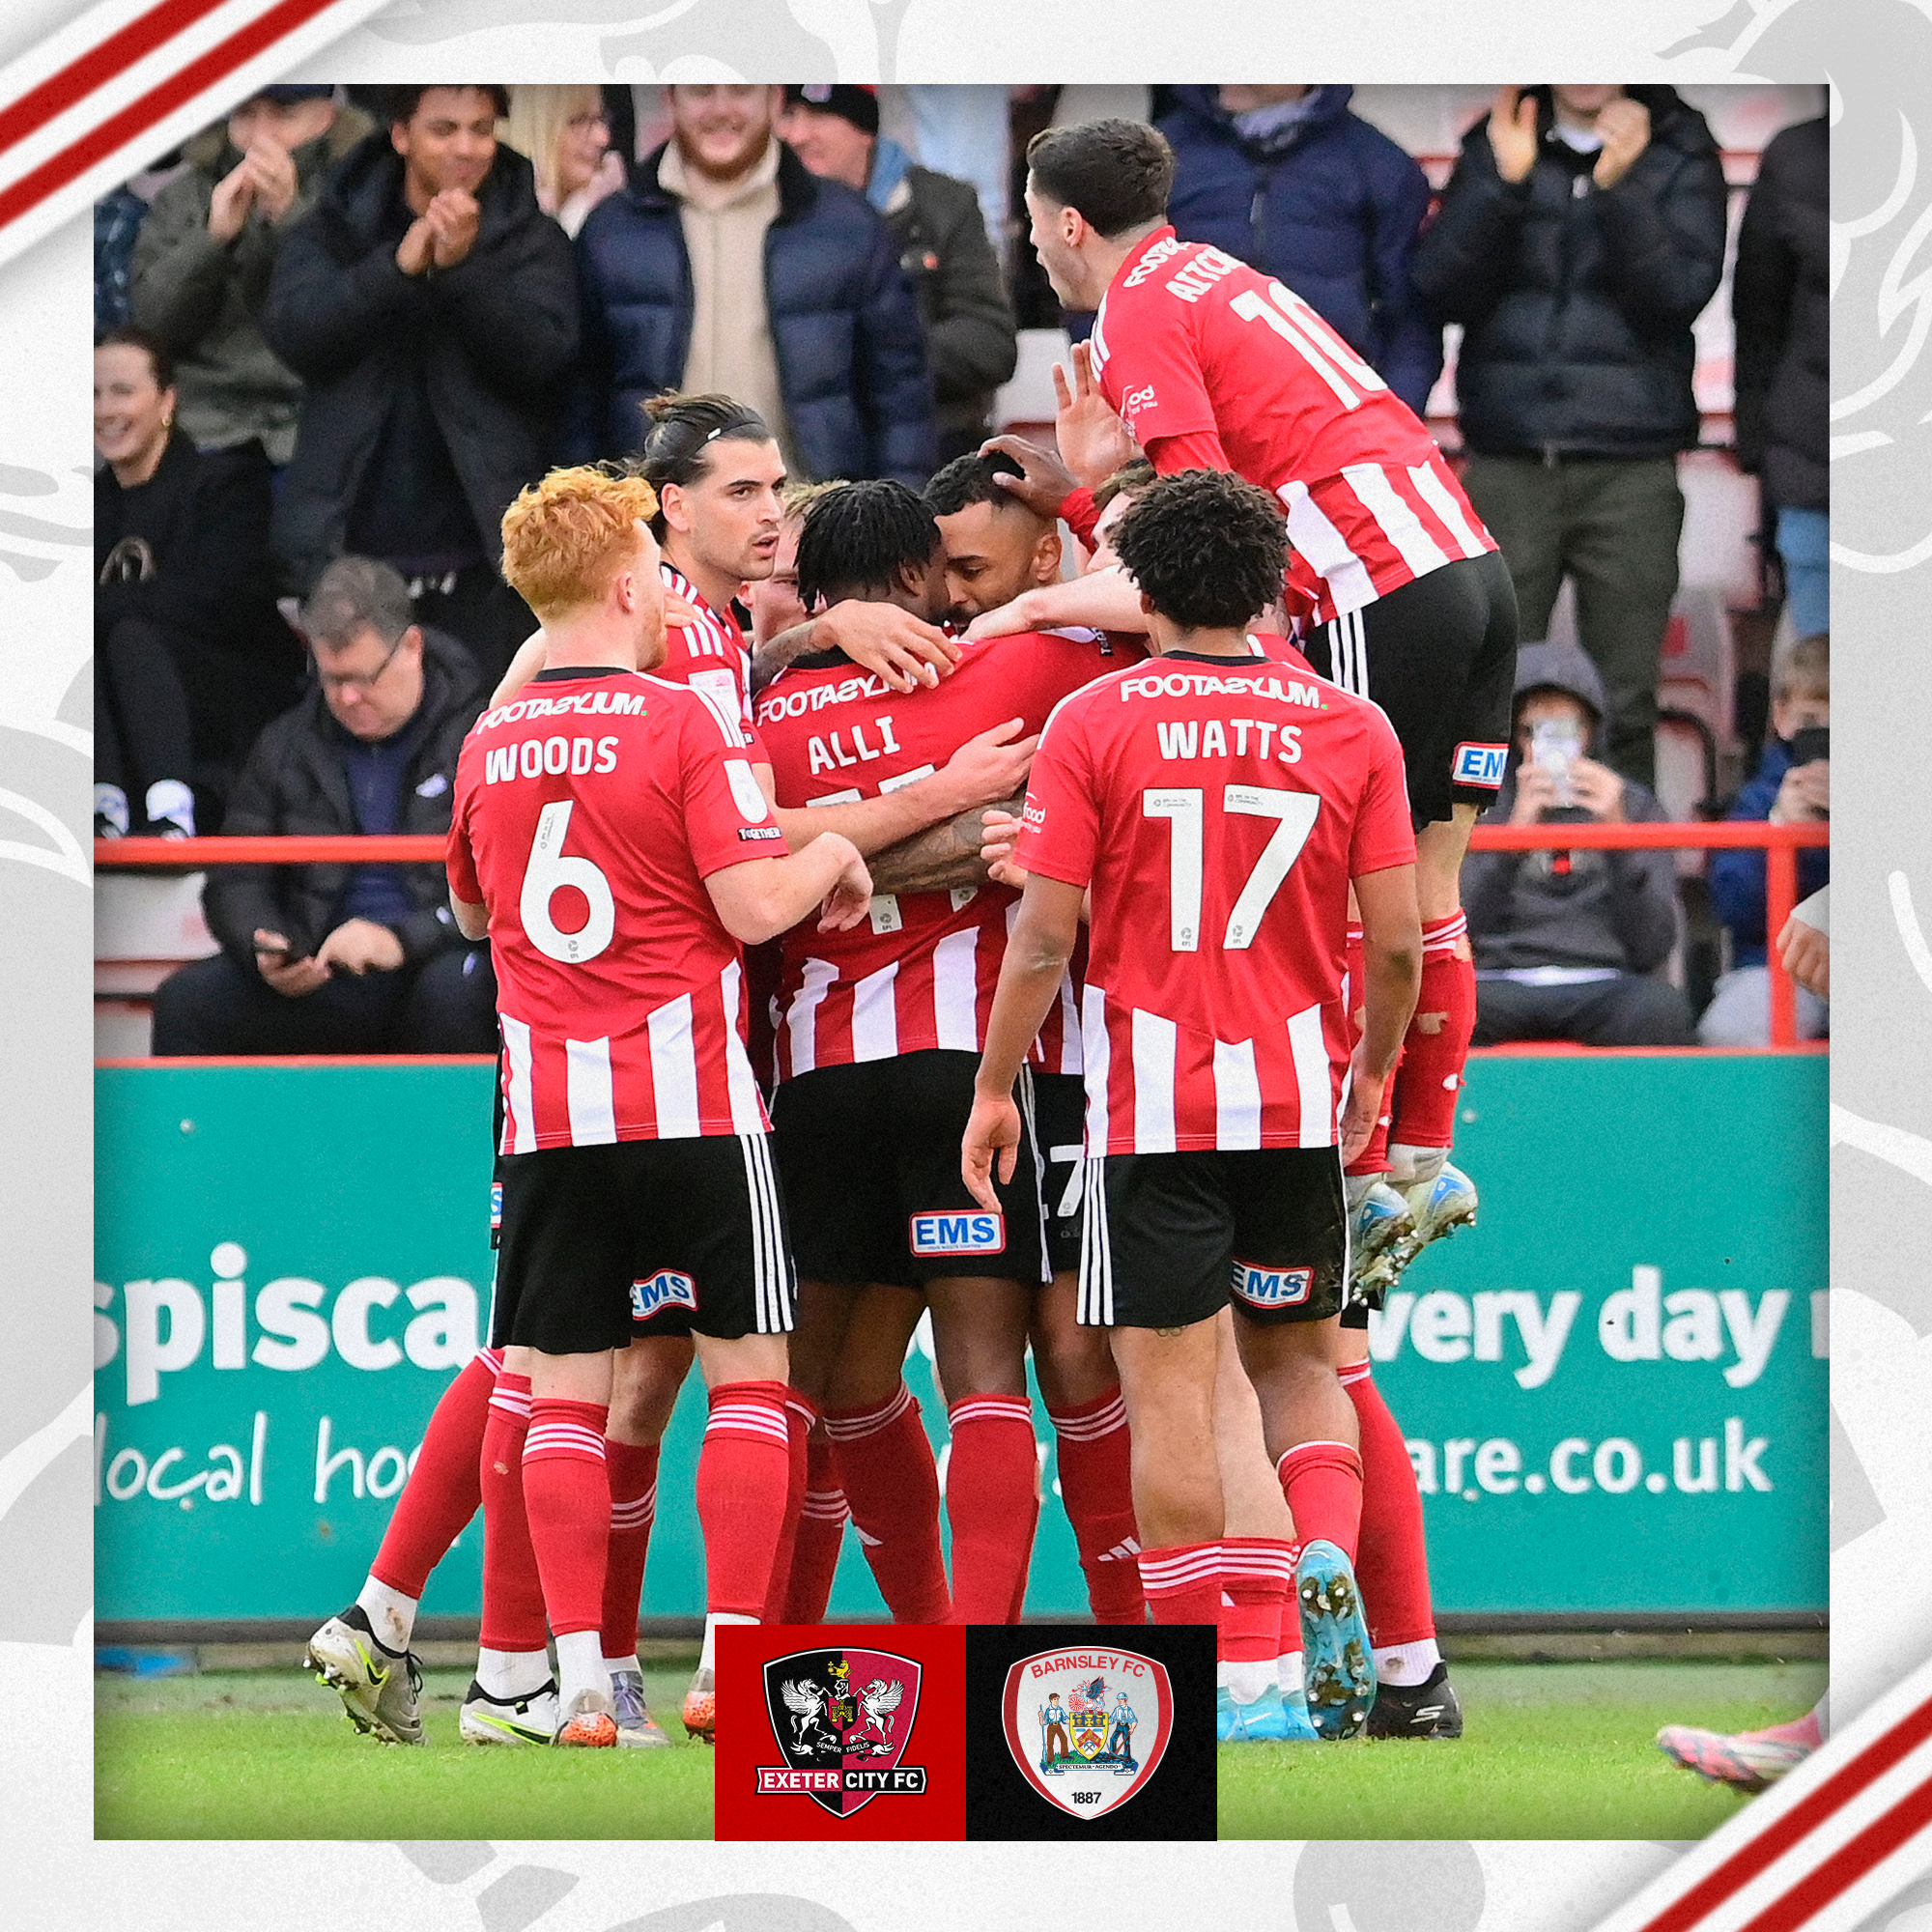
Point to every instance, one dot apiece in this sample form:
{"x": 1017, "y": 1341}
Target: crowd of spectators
{"x": 335, "y": 337}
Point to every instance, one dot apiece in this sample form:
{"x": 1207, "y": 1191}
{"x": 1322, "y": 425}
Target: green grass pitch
{"x": 1551, "y": 1750}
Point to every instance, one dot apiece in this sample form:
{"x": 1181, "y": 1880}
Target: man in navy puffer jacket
{"x": 725, "y": 263}
{"x": 1296, "y": 185}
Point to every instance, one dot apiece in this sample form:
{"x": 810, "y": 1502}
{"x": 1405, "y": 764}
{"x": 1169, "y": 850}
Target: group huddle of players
{"x": 811, "y": 1028}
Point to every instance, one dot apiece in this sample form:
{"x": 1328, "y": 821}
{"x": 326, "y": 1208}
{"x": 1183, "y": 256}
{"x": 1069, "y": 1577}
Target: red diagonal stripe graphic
{"x": 96, "y": 68}
{"x": 1737, "y": 1871}
{"x": 133, "y": 120}
{"x": 1849, "y": 1863}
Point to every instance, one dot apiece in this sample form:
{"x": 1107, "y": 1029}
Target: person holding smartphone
{"x": 1569, "y": 943}
{"x": 1793, "y": 786}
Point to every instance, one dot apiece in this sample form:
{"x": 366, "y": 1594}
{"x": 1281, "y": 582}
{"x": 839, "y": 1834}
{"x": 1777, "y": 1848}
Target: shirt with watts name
{"x": 589, "y": 811}
{"x": 920, "y": 972}
{"x": 1217, "y": 808}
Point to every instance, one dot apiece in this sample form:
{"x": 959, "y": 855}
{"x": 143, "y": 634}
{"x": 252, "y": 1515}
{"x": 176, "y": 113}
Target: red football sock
{"x": 1256, "y": 1582}
{"x": 1437, "y": 1045}
{"x": 1288, "y": 1644}
{"x": 1373, "y": 1158}
{"x": 1183, "y": 1583}
{"x": 743, "y": 1470}
{"x": 443, "y": 1489}
{"x": 801, "y": 1415}
{"x": 992, "y": 1501}
{"x": 513, "y": 1598}
{"x": 1393, "y": 1563}
{"x": 633, "y": 1469}
{"x": 567, "y": 1494}
{"x": 1098, "y": 1490}
{"x": 821, "y": 1530}
{"x": 884, "y": 1462}
{"x": 1322, "y": 1482}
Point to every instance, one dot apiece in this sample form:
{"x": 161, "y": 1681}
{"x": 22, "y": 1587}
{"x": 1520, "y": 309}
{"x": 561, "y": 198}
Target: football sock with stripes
{"x": 1372, "y": 1160}
{"x": 1288, "y": 1660}
{"x": 513, "y": 1598}
{"x": 567, "y": 1497}
{"x": 883, "y": 1460}
{"x": 1183, "y": 1583}
{"x": 1392, "y": 1565}
{"x": 743, "y": 1472}
{"x": 992, "y": 1501}
{"x": 801, "y": 1413}
{"x": 442, "y": 1492}
{"x": 633, "y": 1470}
{"x": 1436, "y": 1046}
{"x": 821, "y": 1530}
{"x": 1256, "y": 1581}
{"x": 1094, "y": 1456}
{"x": 1322, "y": 1482}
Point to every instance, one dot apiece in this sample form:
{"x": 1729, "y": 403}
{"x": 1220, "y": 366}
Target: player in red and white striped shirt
{"x": 1407, "y": 601}
{"x": 610, "y": 839}
{"x": 877, "y": 1035}
{"x": 1216, "y": 810}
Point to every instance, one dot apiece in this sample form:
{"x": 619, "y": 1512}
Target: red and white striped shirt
{"x": 1191, "y": 345}
{"x": 920, "y": 973}
{"x": 590, "y": 810}
{"x": 1218, "y": 808}
{"x": 712, "y": 657}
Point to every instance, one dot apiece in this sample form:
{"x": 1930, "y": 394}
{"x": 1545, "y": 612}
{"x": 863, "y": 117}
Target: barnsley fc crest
{"x": 841, "y": 1719}
{"x": 1087, "y": 1727}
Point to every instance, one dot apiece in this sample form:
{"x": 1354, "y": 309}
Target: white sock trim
{"x": 1247, "y": 1681}
{"x": 391, "y": 1615}
{"x": 509, "y": 1675}
{"x": 1403, "y": 1663}
{"x": 706, "y": 1660}
{"x": 1288, "y": 1673}
{"x": 579, "y": 1666}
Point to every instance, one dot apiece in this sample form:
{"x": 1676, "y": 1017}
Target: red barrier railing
{"x": 1780, "y": 844}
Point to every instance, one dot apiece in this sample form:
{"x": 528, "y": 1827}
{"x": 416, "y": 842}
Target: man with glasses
{"x": 341, "y": 958}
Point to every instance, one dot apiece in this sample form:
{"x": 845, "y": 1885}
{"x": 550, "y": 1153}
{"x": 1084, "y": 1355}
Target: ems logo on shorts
{"x": 1087, "y": 1727}
{"x": 667, "y": 1288}
{"x": 1273, "y": 1288}
{"x": 970, "y": 1231}
{"x": 1479, "y": 765}
{"x": 841, "y": 1719}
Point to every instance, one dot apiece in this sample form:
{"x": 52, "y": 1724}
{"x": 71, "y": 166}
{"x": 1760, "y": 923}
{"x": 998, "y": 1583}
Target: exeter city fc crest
{"x": 1087, "y": 1726}
{"x": 841, "y": 1719}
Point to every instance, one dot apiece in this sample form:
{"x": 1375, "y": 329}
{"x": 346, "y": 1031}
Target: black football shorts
{"x": 1438, "y": 654}
{"x": 869, "y": 1153}
{"x": 683, "y": 1236}
{"x": 1173, "y": 1238}
{"x": 1058, "y": 1123}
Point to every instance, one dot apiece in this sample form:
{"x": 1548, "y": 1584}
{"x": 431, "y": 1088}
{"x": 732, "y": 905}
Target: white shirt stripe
{"x": 1430, "y": 488}
{"x": 586, "y": 1075}
{"x": 875, "y": 1021}
{"x": 1093, "y": 1056}
{"x": 802, "y": 1021}
{"x": 1155, "y": 1049}
{"x": 740, "y": 1082}
{"x": 1237, "y": 1095}
{"x": 1312, "y": 1076}
{"x": 956, "y": 989}
{"x": 1326, "y": 550}
{"x": 1397, "y": 522}
{"x": 521, "y": 1125}
{"x": 674, "y": 1069}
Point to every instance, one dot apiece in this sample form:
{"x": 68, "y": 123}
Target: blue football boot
{"x": 1338, "y": 1663}
{"x": 1276, "y": 1718}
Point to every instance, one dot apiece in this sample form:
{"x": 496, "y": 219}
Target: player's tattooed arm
{"x": 943, "y": 857}
{"x": 881, "y": 638}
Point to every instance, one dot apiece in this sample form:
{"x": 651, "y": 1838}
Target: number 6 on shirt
{"x": 547, "y": 874}
{"x": 1296, "y": 812}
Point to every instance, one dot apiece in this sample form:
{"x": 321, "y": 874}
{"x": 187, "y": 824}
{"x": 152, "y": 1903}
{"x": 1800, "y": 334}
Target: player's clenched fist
{"x": 850, "y": 898}
{"x": 1513, "y": 132}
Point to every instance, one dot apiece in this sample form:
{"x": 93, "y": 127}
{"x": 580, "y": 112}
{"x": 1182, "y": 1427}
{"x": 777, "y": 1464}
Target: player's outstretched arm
{"x": 763, "y": 897}
{"x": 1391, "y": 974}
{"x": 881, "y": 638}
{"x": 1105, "y": 600}
{"x": 944, "y": 858}
{"x": 1035, "y": 961}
